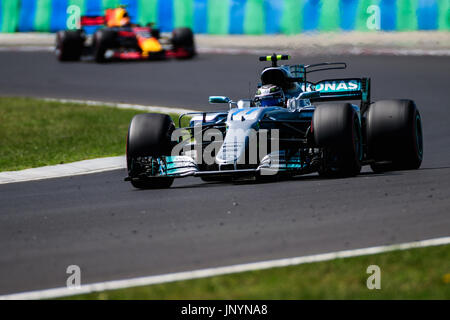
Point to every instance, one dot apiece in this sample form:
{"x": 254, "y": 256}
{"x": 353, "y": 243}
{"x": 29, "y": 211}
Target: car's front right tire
{"x": 183, "y": 38}
{"x": 104, "y": 39}
{"x": 337, "y": 130}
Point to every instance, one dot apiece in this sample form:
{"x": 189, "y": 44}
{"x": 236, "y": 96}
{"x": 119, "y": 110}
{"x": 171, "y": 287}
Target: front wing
{"x": 184, "y": 166}
{"x": 164, "y": 54}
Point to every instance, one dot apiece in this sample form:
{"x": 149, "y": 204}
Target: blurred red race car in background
{"x": 119, "y": 39}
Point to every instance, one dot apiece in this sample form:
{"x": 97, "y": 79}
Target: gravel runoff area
{"x": 334, "y": 42}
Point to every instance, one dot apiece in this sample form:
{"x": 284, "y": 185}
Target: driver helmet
{"x": 118, "y": 17}
{"x": 270, "y": 95}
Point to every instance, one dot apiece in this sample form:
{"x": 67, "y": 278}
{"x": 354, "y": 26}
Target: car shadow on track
{"x": 306, "y": 178}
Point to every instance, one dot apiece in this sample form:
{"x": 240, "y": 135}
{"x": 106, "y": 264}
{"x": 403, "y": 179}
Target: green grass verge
{"x": 36, "y": 133}
{"x": 422, "y": 273}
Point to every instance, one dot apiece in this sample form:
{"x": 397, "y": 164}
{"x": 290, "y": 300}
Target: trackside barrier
{"x": 238, "y": 16}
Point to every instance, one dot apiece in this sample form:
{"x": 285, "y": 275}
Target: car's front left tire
{"x": 149, "y": 135}
{"x": 69, "y": 45}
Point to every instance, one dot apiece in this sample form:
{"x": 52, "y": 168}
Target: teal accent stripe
{"x": 406, "y": 15}
{"x": 80, "y": 3}
{"x": 444, "y": 15}
{"x": 292, "y": 17}
{"x": 218, "y": 16}
{"x": 1, "y": 15}
{"x": 183, "y": 13}
{"x": 43, "y": 14}
{"x": 109, "y": 4}
{"x": 362, "y": 15}
{"x": 10, "y": 15}
{"x": 329, "y": 17}
{"x": 148, "y": 11}
{"x": 254, "y": 17}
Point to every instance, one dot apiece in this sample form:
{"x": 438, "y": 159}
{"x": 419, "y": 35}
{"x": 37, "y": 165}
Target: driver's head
{"x": 270, "y": 95}
{"x": 117, "y": 17}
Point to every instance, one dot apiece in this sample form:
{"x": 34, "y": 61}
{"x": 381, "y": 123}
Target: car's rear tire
{"x": 337, "y": 129}
{"x": 104, "y": 39}
{"x": 149, "y": 135}
{"x": 183, "y": 38}
{"x": 394, "y": 135}
{"x": 69, "y": 45}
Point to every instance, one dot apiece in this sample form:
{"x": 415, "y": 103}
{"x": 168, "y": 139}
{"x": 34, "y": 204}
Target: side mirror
{"x": 219, "y": 99}
{"x": 309, "y": 95}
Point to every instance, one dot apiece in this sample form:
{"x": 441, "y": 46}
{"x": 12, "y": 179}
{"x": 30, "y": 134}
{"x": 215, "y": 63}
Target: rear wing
{"x": 345, "y": 89}
{"x": 89, "y": 21}
{"x": 341, "y": 89}
{"x": 333, "y": 89}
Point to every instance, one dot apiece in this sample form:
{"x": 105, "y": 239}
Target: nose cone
{"x": 233, "y": 148}
{"x": 150, "y": 45}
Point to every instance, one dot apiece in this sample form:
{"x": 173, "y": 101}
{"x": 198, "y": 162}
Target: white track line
{"x": 210, "y": 272}
{"x": 127, "y": 106}
{"x": 85, "y": 166}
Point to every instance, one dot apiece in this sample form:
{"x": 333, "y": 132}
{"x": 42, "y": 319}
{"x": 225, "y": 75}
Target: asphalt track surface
{"x": 113, "y": 231}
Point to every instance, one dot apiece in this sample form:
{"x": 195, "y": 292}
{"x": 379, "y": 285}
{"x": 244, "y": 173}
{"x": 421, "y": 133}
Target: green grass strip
{"x": 329, "y": 16}
{"x": 254, "y": 17}
{"x": 37, "y": 133}
{"x": 43, "y": 14}
{"x": 183, "y": 13}
{"x": 362, "y": 15}
{"x": 406, "y": 15}
{"x": 292, "y": 17}
{"x": 148, "y": 11}
{"x": 218, "y": 16}
{"x": 422, "y": 273}
{"x": 10, "y": 15}
{"x": 444, "y": 15}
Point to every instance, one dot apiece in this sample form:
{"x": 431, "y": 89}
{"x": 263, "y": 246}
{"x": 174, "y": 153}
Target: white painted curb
{"x": 64, "y": 170}
{"x": 85, "y": 166}
{"x": 210, "y": 272}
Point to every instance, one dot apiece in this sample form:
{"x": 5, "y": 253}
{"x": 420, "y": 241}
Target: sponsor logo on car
{"x": 334, "y": 86}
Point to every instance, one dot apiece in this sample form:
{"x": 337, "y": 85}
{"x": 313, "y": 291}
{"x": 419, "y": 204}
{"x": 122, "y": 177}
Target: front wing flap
{"x": 184, "y": 166}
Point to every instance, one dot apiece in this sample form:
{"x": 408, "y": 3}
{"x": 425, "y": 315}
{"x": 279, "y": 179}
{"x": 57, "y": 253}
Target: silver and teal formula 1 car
{"x": 291, "y": 127}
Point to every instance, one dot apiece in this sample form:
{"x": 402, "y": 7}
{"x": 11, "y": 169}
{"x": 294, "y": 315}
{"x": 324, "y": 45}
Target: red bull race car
{"x": 119, "y": 39}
